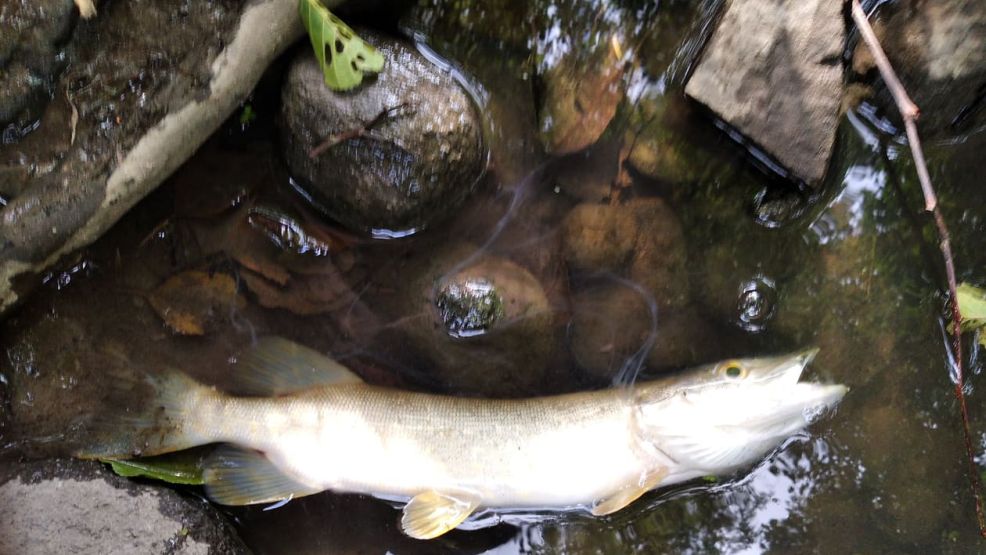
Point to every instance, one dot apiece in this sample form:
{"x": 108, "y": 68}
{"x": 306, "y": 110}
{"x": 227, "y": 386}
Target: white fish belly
{"x": 509, "y": 454}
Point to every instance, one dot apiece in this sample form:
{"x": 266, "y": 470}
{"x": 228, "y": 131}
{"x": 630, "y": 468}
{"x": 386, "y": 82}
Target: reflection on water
{"x": 855, "y": 273}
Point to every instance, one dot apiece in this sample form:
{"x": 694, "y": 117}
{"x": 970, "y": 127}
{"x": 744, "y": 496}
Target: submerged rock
{"x": 939, "y": 51}
{"x": 612, "y": 322}
{"x": 484, "y": 329}
{"x": 579, "y": 99}
{"x": 412, "y": 167}
{"x": 641, "y": 241}
{"x": 633, "y": 255}
{"x": 67, "y": 506}
{"x": 581, "y": 53}
{"x": 657, "y": 146}
{"x": 773, "y": 71}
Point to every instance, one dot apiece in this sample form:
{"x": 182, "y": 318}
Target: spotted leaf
{"x": 343, "y": 56}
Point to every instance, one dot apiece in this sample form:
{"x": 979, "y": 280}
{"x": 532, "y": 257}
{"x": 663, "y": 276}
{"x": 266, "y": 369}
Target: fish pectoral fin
{"x": 431, "y": 514}
{"x": 278, "y": 366}
{"x": 237, "y": 476}
{"x": 629, "y": 493}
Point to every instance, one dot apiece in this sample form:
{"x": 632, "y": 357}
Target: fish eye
{"x": 733, "y": 370}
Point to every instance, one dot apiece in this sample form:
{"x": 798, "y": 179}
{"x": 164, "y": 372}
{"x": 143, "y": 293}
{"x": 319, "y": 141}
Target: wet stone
{"x": 483, "y": 329}
{"x": 580, "y": 98}
{"x": 581, "y": 87}
{"x": 469, "y": 308}
{"x": 414, "y": 150}
{"x": 773, "y": 71}
{"x": 66, "y": 506}
{"x": 657, "y": 148}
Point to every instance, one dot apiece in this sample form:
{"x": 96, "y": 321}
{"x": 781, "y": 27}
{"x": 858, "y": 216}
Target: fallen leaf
{"x": 196, "y": 302}
{"x": 265, "y": 268}
{"x": 304, "y": 294}
{"x": 182, "y": 467}
{"x": 343, "y": 56}
{"x": 972, "y": 304}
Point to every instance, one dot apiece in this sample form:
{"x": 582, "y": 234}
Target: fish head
{"x": 720, "y": 417}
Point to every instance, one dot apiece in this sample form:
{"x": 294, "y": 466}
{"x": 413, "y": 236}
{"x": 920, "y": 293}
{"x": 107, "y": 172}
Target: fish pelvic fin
{"x": 630, "y": 493}
{"x": 430, "y": 514}
{"x": 146, "y": 415}
{"x": 277, "y": 366}
{"x": 237, "y": 476}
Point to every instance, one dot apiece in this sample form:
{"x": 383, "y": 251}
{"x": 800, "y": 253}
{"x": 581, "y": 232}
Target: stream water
{"x": 852, "y": 267}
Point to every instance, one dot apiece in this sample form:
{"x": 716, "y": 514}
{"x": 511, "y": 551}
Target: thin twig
{"x": 337, "y": 138}
{"x": 910, "y": 112}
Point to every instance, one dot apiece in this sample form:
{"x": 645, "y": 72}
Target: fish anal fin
{"x": 629, "y": 493}
{"x": 277, "y": 366}
{"x": 237, "y": 476}
{"x": 430, "y": 514}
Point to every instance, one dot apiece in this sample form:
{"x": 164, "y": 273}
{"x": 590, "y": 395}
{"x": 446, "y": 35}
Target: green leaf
{"x": 183, "y": 467}
{"x": 972, "y": 304}
{"x": 343, "y": 56}
{"x": 247, "y": 116}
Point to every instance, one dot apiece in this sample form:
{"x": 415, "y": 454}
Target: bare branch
{"x": 910, "y": 112}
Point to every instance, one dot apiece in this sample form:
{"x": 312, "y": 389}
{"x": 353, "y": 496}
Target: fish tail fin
{"x": 146, "y": 415}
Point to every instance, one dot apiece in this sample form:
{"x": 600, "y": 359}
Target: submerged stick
{"x": 910, "y": 113}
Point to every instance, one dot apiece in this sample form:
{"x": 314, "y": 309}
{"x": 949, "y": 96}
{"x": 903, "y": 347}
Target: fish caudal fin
{"x": 146, "y": 415}
{"x": 237, "y": 476}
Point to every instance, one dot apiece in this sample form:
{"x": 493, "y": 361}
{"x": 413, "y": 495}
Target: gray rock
{"x": 773, "y": 71}
{"x": 938, "y": 50}
{"x": 409, "y": 170}
{"x": 80, "y": 507}
{"x": 29, "y": 61}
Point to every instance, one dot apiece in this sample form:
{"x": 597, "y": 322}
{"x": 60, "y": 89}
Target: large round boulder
{"x": 413, "y": 147}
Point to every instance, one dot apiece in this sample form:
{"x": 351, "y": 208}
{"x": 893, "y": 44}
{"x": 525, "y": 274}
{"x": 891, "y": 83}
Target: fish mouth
{"x": 788, "y": 369}
{"x": 810, "y": 399}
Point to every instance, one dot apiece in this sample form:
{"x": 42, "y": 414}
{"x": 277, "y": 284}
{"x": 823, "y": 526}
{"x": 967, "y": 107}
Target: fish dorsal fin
{"x": 431, "y": 514}
{"x": 237, "y": 476}
{"x": 277, "y": 366}
{"x": 629, "y": 493}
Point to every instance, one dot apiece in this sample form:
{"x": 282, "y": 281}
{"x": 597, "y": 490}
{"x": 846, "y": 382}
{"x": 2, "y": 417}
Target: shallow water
{"x": 853, "y": 269}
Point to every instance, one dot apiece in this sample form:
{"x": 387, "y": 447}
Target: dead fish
{"x": 309, "y": 424}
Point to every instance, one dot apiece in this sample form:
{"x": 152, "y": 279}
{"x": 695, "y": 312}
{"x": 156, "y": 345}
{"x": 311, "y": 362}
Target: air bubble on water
{"x": 756, "y": 302}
